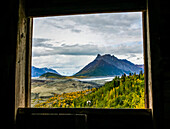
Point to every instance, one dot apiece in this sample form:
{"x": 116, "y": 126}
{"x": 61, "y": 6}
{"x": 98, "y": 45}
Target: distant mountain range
{"x": 108, "y": 65}
{"x": 105, "y": 65}
{"x": 36, "y": 72}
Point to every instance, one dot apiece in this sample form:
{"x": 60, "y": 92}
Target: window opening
{"x": 88, "y": 61}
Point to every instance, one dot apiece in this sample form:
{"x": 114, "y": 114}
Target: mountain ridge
{"x": 110, "y": 66}
{"x": 102, "y": 65}
{"x": 36, "y": 72}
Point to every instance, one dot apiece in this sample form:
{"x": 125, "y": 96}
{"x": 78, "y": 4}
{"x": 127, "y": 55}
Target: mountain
{"x": 140, "y": 66}
{"x": 51, "y": 75}
{"x": 36, "y": 72}
{"x": 108, "y": 65}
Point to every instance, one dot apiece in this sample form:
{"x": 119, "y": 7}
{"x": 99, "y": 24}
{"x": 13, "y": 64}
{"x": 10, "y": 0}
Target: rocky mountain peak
{"x": 105, "y": 57}
{"x": 108, "y": 65}
{"x": 98, "y": 55}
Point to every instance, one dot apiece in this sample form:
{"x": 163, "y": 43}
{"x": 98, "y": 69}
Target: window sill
{"x": 83, "y": 118}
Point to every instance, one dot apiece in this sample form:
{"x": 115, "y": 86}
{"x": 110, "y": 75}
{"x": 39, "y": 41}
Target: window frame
{"x": 73, "y": 8}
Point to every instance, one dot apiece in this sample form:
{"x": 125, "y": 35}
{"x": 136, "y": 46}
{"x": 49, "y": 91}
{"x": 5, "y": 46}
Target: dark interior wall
{"x": 64, "y": 7}
{"x": 160, "y": 59}
{"x": 155, "y": 61}
{"x": 165, "y": 63}
{"x": 14, "y": 33}
{"x": 8, "y": 52}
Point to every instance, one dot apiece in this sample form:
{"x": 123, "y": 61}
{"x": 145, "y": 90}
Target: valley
{"x": 121, "y": 92}
{"x": 42, "y": 88}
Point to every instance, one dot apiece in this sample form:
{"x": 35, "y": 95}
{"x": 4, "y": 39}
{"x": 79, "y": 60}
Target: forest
{"x": 126, "y": 91}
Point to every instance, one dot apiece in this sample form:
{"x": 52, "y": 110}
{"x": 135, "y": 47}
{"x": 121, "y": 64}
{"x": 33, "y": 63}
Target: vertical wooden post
{"x": 145, "y": 50}
{"x": 28, "y": 63}
{"x": 149, "y": 73}
{"x": 20, "y": 68}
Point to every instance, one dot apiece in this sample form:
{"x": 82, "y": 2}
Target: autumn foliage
{"x": 121, "y": 92}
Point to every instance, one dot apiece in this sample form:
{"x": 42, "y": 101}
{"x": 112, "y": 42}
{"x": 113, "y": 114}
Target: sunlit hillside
{"x": 121, "y": 92}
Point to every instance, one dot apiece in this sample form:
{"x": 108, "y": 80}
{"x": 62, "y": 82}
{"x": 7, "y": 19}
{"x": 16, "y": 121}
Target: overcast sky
{"x": 68, "y": 43}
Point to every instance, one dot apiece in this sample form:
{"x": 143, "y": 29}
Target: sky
{"x": 68, "y": 43}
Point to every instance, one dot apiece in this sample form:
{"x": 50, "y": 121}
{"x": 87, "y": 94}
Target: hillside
{"x": 36, "y": 72}
{"x": 108, "y": 65}
{"x": 55, "y": 76}
{"x": 124, "y": 92}
{"x": 51, "y": 75}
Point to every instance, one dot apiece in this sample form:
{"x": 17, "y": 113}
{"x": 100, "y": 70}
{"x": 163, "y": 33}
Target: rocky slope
{"x": 108, "y": 65}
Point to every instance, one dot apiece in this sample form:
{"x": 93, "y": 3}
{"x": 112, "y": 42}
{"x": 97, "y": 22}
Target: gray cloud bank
{"x": 44, "y": 49}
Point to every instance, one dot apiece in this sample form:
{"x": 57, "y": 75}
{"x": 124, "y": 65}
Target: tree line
{"x": 126, "y": 91}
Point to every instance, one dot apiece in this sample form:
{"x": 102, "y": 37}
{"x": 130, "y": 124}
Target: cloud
{"x": 115, "y": 28}
{"x": 41, "y": 42}
{"x": 75, "y": 49}
{"x": 124, "y": 49}
{"x": 76, "y": 30}
{"x": 110, "y": 23}
{"x": 66, "y": 65}
{"x": 63, "y": 23}
{"x": 87, "y": 49}
{"x": 67, "y": 43}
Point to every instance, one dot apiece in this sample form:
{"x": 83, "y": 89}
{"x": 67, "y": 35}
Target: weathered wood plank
{"x": 28, "y": 63}
{"x": 21, "y": 63}
{"x": 106, "y": 111}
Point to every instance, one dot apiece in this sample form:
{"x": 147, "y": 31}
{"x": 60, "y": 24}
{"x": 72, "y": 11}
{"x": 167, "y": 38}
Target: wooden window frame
{"x": 29, "y": 10}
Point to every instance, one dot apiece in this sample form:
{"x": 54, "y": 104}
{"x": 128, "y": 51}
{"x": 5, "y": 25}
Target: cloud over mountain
{"x": 82, "y": 37}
